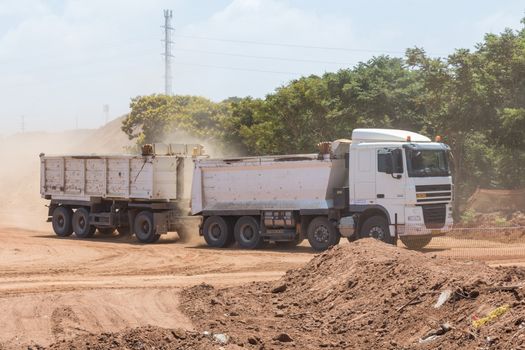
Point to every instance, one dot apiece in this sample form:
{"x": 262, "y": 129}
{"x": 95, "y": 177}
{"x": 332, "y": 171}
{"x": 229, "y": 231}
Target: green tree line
{"x": 474, "y": 99}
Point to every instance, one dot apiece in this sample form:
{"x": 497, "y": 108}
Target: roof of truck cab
{"x": 386, "y": 135}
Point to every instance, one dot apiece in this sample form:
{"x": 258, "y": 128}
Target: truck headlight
{"x": 414, "y": 218}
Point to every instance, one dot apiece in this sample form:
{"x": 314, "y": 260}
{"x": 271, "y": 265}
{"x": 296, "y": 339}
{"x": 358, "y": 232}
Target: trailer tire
{"x": 416, "y": 242}
{"x": 322, "y": 234}
{"x": 377, "y": 227}
{"x": 247, "y": 233}
{"x": 81, "y": 224}
{"x": 216, "y": 231}
{"x": 61, "y": 221}
{"x": 144, "y": 227}
{"x": 106, "y": 231}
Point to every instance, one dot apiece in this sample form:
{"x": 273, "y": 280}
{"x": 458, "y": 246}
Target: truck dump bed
{"x": 118, "y": 177}
{"x": 276, "y": 183}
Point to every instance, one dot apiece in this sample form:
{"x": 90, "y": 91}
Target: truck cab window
{"x": 384, "y": 161}
{"x": 390, "y": 161}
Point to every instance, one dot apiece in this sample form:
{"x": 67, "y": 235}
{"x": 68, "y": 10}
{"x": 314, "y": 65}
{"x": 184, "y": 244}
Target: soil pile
{"x": 498, "y": 227}
{"x": 370, "y": 295}
{"x": 488, "y": 201}
{"x": 142, "y": 338}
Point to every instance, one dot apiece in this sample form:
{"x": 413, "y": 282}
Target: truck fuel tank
{"x": 279, "y": 219}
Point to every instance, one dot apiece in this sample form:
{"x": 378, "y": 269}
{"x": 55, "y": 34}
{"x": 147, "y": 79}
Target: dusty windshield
{"x": 421, "y": 163}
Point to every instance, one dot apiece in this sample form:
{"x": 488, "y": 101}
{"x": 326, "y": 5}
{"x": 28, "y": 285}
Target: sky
{"x": 61, "y": 61}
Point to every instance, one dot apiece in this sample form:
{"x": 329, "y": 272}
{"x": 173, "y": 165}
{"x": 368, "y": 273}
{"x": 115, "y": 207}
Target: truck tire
{"x": 322, "y": 234}
{"x": 61, "y": 221}
{"x": 81, "y": 224}
{"x": 217, "y": 233}
{"x": 106, "y": 230}
{"x": 416, "y": 242}
{"x": 377, "y": 227}
{"x": 247, "y": 233}
{"x": 144, "y": 227}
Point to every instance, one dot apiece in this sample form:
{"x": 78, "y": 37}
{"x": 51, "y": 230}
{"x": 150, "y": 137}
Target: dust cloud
{"x": 20, "y": 204}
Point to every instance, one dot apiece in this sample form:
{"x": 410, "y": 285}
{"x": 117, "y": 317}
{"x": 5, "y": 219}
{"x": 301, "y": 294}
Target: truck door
{"x": 390, "y": 182}
{"x": 363, "y": 187}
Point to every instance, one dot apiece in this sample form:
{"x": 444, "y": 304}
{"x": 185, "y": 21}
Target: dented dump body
{"x": 299, "y": 182}
{"x": 116, "y": 177}
{"x": 146, "y": 195}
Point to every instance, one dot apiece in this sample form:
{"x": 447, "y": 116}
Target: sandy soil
{"x": 53, "y": 289}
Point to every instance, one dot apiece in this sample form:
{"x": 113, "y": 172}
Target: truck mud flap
{"x": 161, "y": 220}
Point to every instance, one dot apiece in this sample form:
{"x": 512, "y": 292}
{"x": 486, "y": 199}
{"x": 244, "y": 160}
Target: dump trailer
{"x": 146, "y": 195}
{"x": 384, "y": 183}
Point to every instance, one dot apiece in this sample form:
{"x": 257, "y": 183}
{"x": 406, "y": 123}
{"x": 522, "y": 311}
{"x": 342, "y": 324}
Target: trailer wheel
{"x": 61, "y": 221}
{"x": 377, "y": 227}
{"x": 81, "y": 224}
{"x": 247, "y": 233}
{"x": 106, "y": 230}
{"x": 216, "y": 231}
{"x": 416, "y": 242}
{"x": 144, "y": 227}
{"x": 322, "y": 234}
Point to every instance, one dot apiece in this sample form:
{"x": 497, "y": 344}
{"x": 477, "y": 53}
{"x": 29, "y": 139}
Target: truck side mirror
{"x": 396, "y": 163}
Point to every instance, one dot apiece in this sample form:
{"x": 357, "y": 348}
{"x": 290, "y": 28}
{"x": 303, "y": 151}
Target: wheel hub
{"x": 321, "y": 234}
{"x": 145, "y": 227}
{"x": 247, "y": 232}
{"x": 377, "y": 232}
{"x": 215, "y": 231}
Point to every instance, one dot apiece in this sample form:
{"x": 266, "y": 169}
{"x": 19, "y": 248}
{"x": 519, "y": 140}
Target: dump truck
{"x": 383, "y": 183}
{"x": 146, "y": 194}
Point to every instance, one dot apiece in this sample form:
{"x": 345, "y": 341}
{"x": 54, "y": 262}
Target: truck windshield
{"x": 422, "y": 163}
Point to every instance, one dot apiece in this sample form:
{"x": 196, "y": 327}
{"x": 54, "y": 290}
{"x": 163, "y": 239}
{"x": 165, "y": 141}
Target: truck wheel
{"x": 322, "y": 234}
{"x": 377, "y": 227}
{"x": 247, "y": 233}
{"x": 144, "y": 227}
{"x": 61, "y": 221}
{"x": 217, "y": 233}
{"x": 416, "y": 242}
{"x": 106, "y": 230}
{"x": 81, "y": 224}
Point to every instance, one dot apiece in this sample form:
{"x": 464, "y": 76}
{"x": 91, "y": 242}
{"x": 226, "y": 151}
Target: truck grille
{"x": 433, "y": 193}
{"x": 434, "y": 215}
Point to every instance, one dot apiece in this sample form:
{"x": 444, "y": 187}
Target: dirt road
{"x": 53, "y": 289}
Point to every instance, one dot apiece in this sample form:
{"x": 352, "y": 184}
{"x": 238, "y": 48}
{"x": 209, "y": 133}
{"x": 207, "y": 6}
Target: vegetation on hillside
{"x": 474, "y": 99}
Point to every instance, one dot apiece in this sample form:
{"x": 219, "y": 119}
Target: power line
{"x": 238, "y": 69}
{"x": 266, "y": 43}
{"x": 263, "y": 57}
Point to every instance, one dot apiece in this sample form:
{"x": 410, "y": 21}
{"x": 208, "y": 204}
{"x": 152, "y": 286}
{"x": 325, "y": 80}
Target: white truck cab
{"x": 405, "y": 176}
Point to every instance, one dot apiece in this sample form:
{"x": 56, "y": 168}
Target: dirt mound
{"x": 370, "y": 295}
{"x": 498, "y": 226}
{"x": 142, "y": 338}
{"x": 488, "y": 201}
